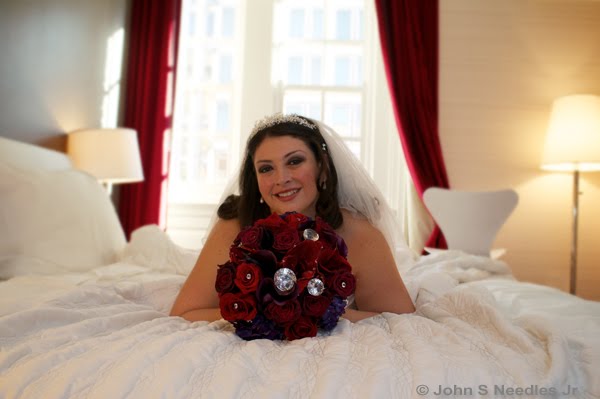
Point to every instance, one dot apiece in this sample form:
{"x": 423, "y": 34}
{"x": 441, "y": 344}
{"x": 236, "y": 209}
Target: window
{"x": 342, "y": 25}
{"x": 225, "y": 69}
{"x": 228, "y": 25}
{"x": 296, "y": 18}
{"x": 203, "y": 128}
{"x": 317, "y": 51}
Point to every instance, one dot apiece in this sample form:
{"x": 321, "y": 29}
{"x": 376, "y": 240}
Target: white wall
{"x": 52, "y": 66}
{"x": 502, "y": 63}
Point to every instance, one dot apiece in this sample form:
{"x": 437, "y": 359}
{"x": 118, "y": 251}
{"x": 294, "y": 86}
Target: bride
{"x": 293, "y": 163}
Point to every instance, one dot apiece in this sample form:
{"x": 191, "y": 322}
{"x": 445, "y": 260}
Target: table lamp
{"x": 111, "y": 155}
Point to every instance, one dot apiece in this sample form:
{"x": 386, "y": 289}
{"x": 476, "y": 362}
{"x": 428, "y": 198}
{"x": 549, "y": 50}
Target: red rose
{"x": 331, "y": 262}
{"x": 236, "y": 307}
{"x": 285, "y": 239}
{"x": 328, "y": 235}
{"x": 251, "y": 237}
{"x": 295, "y": 219}
{"x": 303, "y": 327}
{"x": 315, "y": 305}
{"x": 342, "y": 284}
{"x": 303, "y": 279}
{"x": 324, "y": 229}
{"x": 247, "y": 277}
{"x": 247, "y": 292}
{"x": 283, "y": 314}
{"x": 273, "y": 221}
{"x": 238, "y": 254}
{"x": 303, "y": 257}
{"x": 225, "y": 277}
{"x": 290, "y": 261}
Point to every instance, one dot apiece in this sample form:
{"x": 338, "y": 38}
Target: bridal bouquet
{"x": 287, "y": 276}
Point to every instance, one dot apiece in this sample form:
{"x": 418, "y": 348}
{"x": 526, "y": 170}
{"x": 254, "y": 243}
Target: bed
{"x": 84, "y": 314}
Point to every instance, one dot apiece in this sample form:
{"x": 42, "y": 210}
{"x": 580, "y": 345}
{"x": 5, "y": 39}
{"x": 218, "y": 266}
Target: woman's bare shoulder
{"x": 225, "y": 229}
{"x": 356, "y": 225}
{"x": 226, "y": 226}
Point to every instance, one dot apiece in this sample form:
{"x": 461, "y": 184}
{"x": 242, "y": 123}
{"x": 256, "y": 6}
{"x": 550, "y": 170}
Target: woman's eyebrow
{"x": 289, "y": 154}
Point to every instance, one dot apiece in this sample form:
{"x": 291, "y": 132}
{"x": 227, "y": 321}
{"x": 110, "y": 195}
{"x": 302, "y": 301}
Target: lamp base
{"x": 573, "y": 270}
{"x": 108, "y": 187}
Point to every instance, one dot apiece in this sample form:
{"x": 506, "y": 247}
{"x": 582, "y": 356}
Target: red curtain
{"x": 148, "y": 106}
{"x": 408, "y": 31}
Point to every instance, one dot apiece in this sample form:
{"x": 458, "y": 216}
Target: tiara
{"x": 278, "y": 118}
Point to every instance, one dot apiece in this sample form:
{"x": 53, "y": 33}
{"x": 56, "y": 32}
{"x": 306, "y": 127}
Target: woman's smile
{"x": 287, "y": 195}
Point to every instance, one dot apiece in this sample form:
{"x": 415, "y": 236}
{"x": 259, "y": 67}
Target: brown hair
{"x": 247, "y": 207}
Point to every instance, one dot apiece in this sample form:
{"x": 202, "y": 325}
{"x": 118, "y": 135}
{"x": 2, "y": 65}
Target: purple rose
{"x": 259, "y": 328}
{"x": 333, "y": 313}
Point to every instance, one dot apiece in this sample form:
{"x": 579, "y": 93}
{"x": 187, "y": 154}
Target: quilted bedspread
{"x": 106, "y": 333}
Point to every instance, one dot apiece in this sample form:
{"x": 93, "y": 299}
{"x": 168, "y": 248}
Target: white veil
{"x": 357, "y": 193}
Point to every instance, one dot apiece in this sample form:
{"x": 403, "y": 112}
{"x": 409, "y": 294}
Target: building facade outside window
{"x": 241, "y": 60}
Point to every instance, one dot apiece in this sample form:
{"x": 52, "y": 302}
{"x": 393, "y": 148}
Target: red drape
{"x": 152, "y": 60}
{"x": 408, "y": 31}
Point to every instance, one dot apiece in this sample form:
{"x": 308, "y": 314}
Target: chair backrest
{"x": 470, "y": 220}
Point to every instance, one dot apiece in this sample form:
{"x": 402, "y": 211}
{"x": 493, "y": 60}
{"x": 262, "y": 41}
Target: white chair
{"x": 470, "y": 220}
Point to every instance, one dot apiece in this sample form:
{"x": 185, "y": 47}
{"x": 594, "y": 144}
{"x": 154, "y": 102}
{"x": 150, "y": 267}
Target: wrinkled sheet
{"x": 106, "y": 333}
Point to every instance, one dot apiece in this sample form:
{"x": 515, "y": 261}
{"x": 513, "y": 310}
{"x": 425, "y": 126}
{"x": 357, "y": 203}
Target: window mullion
{"x": 257, "y": 95}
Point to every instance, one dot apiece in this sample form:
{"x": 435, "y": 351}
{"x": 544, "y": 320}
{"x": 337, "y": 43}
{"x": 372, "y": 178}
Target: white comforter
{"x": 107, "y": 334}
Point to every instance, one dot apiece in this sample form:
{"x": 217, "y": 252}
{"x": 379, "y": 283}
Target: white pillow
{"x": 55, "y": 221}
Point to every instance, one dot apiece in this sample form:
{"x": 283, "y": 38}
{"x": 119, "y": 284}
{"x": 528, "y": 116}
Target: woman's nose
{"x": 283, "y": 176}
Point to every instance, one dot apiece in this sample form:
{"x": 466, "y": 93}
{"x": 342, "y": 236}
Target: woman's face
{"x": 287, "y": 172}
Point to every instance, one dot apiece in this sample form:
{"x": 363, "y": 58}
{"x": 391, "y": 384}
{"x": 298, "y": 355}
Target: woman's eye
{"x": 296, "y": 161}
{"x": 264, "y": 169}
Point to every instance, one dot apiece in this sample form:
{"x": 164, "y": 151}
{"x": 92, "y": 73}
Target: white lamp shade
{"x": 573, "y": 136}
{"x": 111, "y": 155}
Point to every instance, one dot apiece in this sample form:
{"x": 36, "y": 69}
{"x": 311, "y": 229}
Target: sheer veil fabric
{"x": 358, "y": 194}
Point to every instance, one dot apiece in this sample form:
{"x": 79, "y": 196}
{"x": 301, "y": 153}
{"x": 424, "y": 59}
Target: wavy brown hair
{"x": 247, "y": 208}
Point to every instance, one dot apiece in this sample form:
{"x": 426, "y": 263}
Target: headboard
{"x": 29, "y": 156}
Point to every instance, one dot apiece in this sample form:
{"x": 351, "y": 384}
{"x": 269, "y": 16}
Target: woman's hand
{"x": 356, "y": 315}
{"x": 212, "y": 314}
{"x": 198, "y": 299}
{"x": 379, "y": 287}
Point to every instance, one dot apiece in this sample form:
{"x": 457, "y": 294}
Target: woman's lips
{"x": 287, "y": 195}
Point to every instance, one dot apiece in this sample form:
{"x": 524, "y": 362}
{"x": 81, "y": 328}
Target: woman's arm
{"x": 211, "y": 314}
{"x": 379, "y": 287}
{"x": 198, "y": 299}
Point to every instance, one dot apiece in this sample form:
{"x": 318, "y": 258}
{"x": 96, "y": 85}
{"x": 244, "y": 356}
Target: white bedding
{"x": 106, "y": 333}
